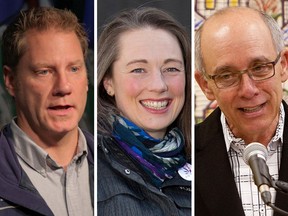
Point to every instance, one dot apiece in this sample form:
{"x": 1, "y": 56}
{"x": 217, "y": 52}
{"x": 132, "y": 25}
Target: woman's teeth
{"x": 155, "y": 104}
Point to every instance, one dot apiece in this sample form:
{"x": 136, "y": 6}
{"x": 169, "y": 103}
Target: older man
{"x": 241, "y": 63}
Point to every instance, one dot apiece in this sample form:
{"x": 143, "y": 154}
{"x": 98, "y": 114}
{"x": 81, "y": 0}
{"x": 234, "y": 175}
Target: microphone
{"x": 255, "y": 155}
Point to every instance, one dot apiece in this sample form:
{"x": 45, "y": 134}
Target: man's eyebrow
{"x": 77, "y": 62}
{"x": 253, "y": 61}
{"x": 41, "y": 65}
{"x": 260, "y": 60}
{"x": 49, "y": 65}
{"x": 223, "y": 68}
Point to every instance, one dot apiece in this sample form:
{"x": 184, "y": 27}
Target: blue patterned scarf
{"x": 159, "y": 158}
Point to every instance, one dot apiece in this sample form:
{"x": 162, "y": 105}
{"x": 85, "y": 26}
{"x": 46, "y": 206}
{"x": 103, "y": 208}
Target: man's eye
{"x": 259, "y": 68}
{"x": 74, "y": 69}
{"x": 138, "y": 70}
{"x": 226, "y": 76}
{"x": 42, "y": 72}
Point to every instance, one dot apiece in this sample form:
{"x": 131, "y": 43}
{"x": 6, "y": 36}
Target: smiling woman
{"x": 143, "y": 115}
{"x": 141, "y": 86}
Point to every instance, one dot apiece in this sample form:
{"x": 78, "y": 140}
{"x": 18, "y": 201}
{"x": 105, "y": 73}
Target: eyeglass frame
{"x": 241, "y": 72}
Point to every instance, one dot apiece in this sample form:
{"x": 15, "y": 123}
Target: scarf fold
{"x": 159, "y": 158}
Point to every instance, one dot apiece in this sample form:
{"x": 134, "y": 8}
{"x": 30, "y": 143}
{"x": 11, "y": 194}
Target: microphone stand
{"x": 280, "y": 186}
{"x": 255, "y": 155}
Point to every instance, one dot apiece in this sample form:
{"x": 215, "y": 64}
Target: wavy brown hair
{"x": 108, "y": 51}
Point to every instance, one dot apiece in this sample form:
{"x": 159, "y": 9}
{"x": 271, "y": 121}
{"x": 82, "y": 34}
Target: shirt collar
{"x": 36, "y": 157}
{"x": 238, "y": 144}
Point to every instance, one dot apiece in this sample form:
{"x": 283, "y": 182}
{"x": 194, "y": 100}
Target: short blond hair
{"x": 40, "y": 19}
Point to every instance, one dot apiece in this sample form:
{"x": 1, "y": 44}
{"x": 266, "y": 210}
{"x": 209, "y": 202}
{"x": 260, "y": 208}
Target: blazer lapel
{"x": 281, "y": 198}
{"x": 212, "y": 165}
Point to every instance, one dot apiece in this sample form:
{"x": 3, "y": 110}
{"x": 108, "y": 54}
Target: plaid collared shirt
{"x": 243, "y": 176}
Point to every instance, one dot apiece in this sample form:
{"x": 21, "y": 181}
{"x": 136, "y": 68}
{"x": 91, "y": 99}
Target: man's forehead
{"x": 232, "y": 17}
{"x": 233, "y": 27}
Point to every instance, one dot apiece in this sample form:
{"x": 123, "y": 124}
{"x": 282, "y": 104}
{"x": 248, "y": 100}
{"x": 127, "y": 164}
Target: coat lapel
{"x": 281, "y": 198}
{"x": 212, "y": 165}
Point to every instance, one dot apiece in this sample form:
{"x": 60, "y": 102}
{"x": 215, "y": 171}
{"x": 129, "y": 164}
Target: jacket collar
{"x": 212, "y": 162}
{"x": 13, "y": 179}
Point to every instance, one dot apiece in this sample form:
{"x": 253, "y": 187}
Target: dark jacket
{"x": 124, "y": 190}
{"x": 18, "y": 196}
{"x": 216, "y": 193}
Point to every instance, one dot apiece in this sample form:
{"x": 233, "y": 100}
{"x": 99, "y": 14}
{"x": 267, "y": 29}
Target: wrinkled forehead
{"x": 230, "y": 36}
{"x": 234, "y": 24}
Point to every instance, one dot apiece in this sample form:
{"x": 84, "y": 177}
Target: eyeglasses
{"x": 259, "y": 72}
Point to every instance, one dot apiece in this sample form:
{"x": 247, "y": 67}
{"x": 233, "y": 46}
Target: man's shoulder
{"x": 7, "y": 151}
{"x": 88, "y": 135}
{"x": 6, "y": 138}
{"x": 89, "y": 138}
{"x": 209, "y": 131}
{"x": 285, "y": 107}
{"x": 90, "y": 145}
{"x": 211, "y": 121}
{"x": 6, "y": 131}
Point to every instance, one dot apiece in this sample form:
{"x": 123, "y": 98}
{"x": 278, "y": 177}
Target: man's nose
{"x": 247, "y": 86}
{"x": 62, "y": 85}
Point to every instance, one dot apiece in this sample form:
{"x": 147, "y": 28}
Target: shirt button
{"x": 262, "y": 211}
{"x": 127, "y": 171}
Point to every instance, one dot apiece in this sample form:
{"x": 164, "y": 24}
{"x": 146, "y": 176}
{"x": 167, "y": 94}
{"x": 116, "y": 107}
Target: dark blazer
{"x": 215, "y": 189}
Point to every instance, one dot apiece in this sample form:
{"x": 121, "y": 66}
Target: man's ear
{"x": 108, "y": 85}
{"x": 203, "y": 83}
{"x": 9, "y": 80}
{"x": 284, "y": 65}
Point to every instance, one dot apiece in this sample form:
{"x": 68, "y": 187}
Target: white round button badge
{"x": 185, "y": 172}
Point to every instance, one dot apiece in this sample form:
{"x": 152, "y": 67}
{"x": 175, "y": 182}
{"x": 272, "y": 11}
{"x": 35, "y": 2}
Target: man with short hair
{"x": 241, "y": 62}
{"x": 46, "y": 160}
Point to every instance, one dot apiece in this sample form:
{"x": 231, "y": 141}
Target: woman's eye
{"x": 138, "y": 70}
{"x": 172, "y": 69}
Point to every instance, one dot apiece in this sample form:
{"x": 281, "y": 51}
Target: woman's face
{"x": 148, "y": 79}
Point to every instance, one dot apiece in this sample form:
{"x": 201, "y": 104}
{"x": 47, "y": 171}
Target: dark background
{"x": 84, "y": 10}
{"x": 179, "y": 9}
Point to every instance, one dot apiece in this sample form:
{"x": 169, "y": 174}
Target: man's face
{"x": 251, "y": 108}
{"x": 49, "y": 84}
